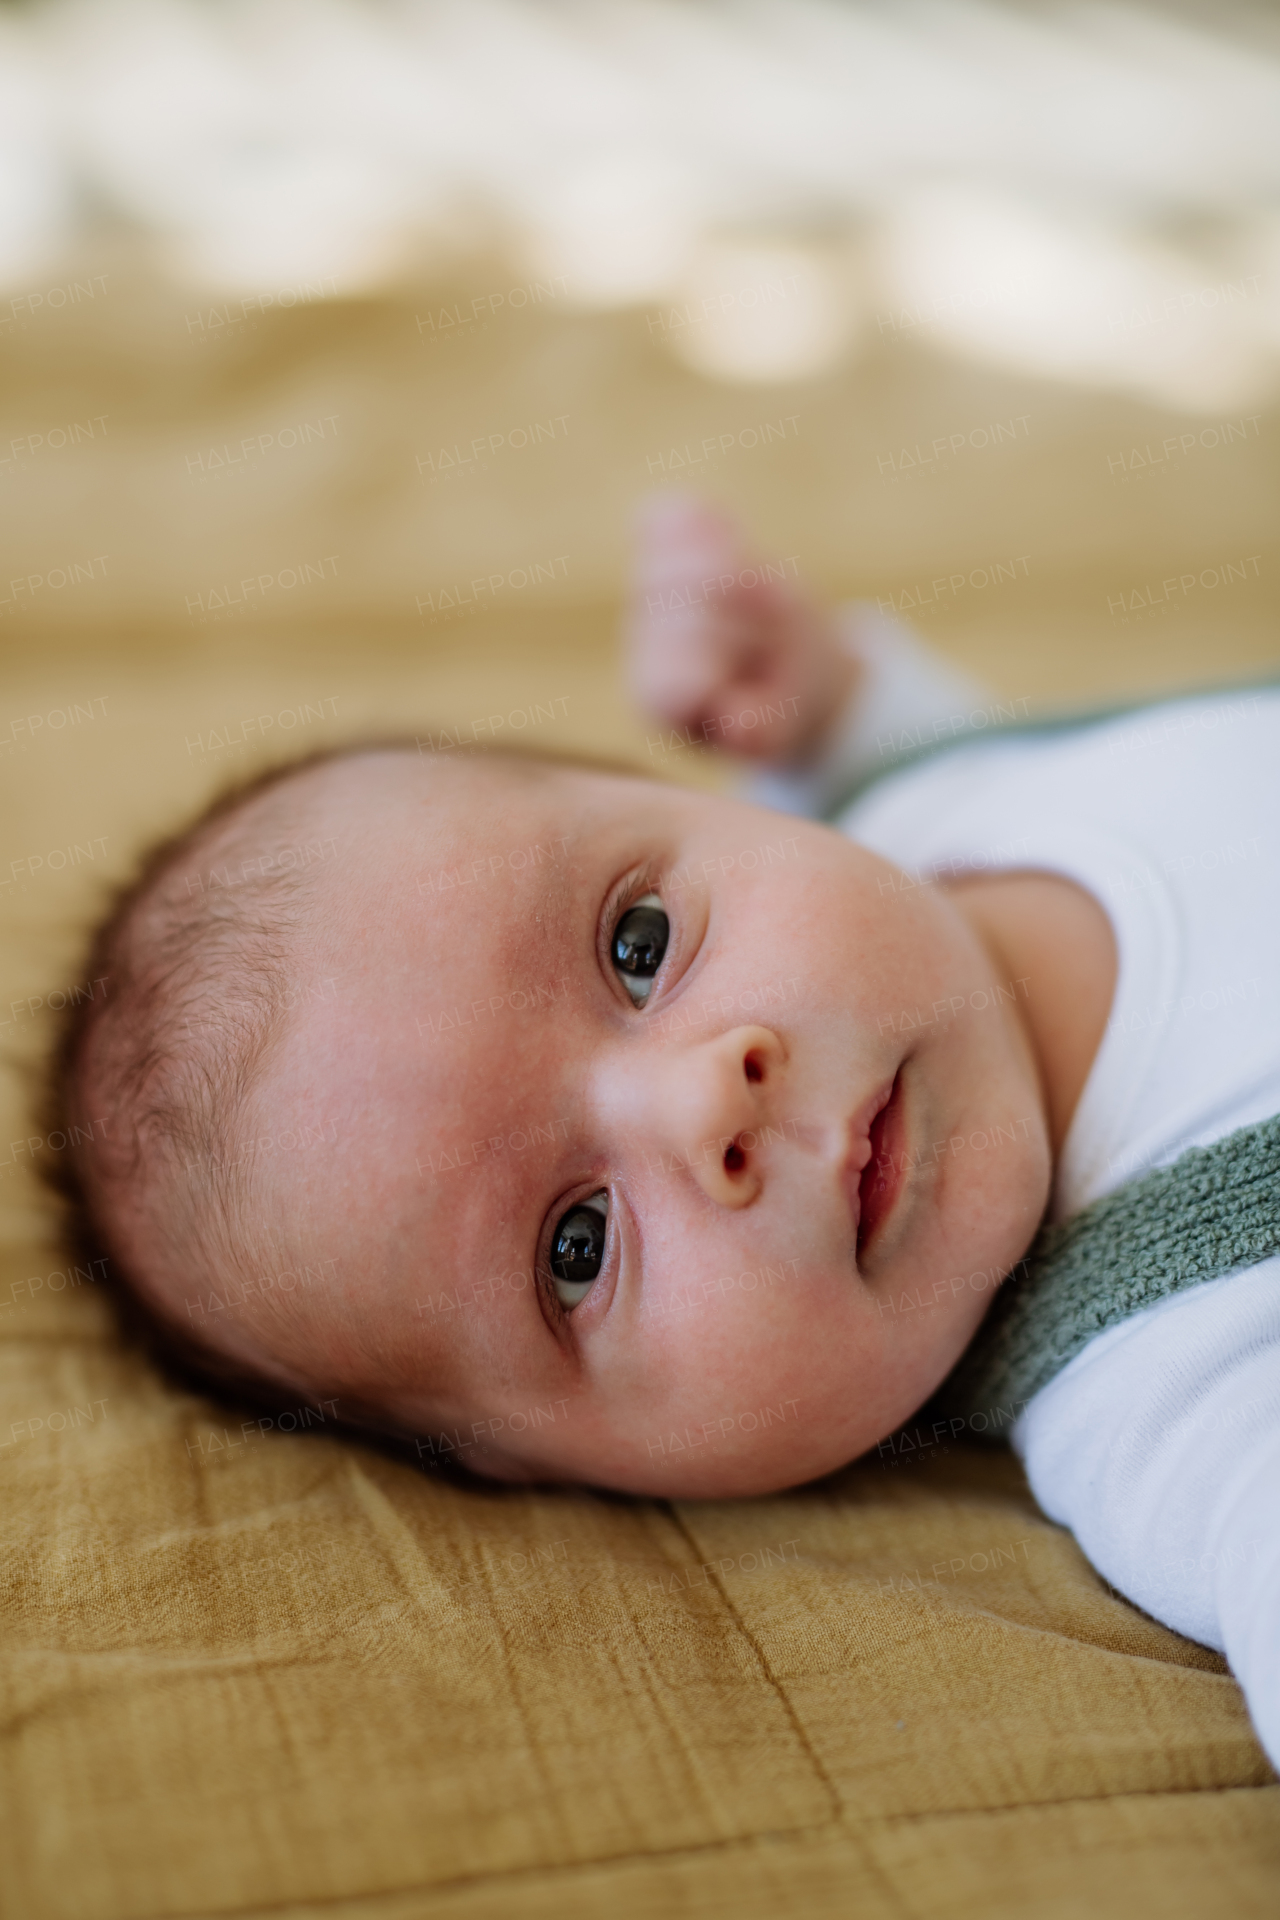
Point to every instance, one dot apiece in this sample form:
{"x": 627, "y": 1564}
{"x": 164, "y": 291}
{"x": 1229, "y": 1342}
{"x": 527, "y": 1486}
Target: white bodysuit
{"x": 1159, "y": 1444}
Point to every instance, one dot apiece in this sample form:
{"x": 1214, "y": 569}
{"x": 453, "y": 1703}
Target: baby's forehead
{"x": 452, "y": 882}
{"x": 454, "y": 885}
{"x": 467, "y": 798}
{"x": 494, "y": 815}
{"x": 453, "y": 829}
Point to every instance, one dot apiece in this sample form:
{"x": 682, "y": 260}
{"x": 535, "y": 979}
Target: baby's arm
{"x": 728, "y": 649}
{"x": 1159, "y": 1446}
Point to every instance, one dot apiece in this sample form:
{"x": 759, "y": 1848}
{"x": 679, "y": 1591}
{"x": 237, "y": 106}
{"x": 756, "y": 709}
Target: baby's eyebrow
{"x": 558, "y": 898}
{"x": 463, "y": 1152}
{"x": 493, "y": 864}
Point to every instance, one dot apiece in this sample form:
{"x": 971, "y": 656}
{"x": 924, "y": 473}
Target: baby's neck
{"x": 1055, "y": 937}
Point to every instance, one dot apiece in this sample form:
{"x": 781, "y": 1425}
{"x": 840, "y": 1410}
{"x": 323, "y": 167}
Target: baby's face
{"x": 715, "y": 1240}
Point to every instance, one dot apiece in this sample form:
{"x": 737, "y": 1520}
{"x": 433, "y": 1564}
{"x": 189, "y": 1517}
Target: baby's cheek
{"x": 767, "y": 1337}
{"x": 771, "y": 1419}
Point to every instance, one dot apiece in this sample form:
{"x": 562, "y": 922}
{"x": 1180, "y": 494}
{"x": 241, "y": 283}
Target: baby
{"x": 600, "y": 1130}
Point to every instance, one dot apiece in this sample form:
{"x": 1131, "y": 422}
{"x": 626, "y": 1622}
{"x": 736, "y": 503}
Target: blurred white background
{"x": 1087, "y": 194}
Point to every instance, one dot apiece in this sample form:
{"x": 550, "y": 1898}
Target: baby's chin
{"x": 683, "y": 1465}
{"x": 731, "y": 1479}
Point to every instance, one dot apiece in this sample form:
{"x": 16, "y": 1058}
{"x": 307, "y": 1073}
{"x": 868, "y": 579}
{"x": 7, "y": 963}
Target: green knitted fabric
{"x": 1214, "y": 1210}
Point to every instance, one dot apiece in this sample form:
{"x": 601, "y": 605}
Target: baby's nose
{"x": 691, "y": 1104}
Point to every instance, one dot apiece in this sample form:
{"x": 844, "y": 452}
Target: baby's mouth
{"x": 881, "y": 1179}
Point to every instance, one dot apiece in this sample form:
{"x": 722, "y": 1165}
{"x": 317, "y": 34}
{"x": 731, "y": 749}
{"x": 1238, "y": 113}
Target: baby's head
{"x": 399, "y": 1095}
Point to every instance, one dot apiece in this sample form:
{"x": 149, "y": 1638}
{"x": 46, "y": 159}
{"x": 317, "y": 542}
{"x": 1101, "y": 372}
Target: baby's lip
{"x": 882, "y": 1177}
{"x": 860, "y": 1153}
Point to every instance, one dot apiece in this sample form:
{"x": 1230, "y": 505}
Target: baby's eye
{"x": 639, "y": 942}
{"x": 577, "y": 1249}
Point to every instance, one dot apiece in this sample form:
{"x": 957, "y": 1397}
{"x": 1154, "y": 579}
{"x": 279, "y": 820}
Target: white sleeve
{"x": 1159, "y": 1446}
{"x": 904, "y": 688}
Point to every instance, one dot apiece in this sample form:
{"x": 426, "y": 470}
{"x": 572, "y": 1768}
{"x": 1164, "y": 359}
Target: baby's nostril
{"x": 753, "y": 1068}
{"x": 734, "y": 1158}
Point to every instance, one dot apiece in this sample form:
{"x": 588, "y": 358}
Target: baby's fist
{"x": 723, "y": 651}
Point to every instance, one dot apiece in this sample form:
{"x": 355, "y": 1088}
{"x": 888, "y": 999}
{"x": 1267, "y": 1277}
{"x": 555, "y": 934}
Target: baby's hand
{"x": 721, "y": 651}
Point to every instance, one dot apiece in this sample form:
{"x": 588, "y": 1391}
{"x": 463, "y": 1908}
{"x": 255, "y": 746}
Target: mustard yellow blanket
{"x": 252, "y": 1670}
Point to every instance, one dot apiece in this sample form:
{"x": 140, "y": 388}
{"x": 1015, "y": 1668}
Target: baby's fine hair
{"x": 151, "y": 1076}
